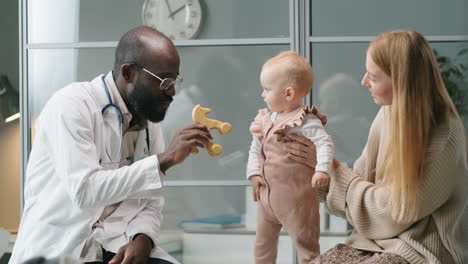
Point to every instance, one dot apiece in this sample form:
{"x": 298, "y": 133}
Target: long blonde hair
{"x": 420, "y": 102}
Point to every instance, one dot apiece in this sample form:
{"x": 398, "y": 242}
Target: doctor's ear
{"x": 127, "y": 71}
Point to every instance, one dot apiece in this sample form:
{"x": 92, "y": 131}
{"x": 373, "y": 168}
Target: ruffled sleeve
{"x": 323, "y": 118}
{"x": 256, "y": 125}
{"x": 298, "y": 119}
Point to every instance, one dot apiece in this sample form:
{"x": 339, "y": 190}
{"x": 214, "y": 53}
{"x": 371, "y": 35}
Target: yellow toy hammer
{"x": 199, "y": 116}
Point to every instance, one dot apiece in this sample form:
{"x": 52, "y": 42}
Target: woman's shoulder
{"x": 378, "y": 125}
{"x": 449, "y": 129}
{"x": 448, "y": 137}
{"x": 456, "y": 127}
{"x": 456, "y": 132}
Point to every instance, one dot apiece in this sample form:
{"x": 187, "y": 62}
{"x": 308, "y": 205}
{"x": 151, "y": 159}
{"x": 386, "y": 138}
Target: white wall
{"x": 53, "y": 67}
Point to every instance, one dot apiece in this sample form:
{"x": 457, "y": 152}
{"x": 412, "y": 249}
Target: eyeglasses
{"x": 166, "y": 83}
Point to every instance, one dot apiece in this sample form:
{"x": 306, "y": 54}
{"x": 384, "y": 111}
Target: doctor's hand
{"x": 300, "y": 149}
{"x": 135, "y": 252}
{"x": 182, "y": 143}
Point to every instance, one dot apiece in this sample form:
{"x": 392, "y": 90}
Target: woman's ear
{"x": 290, "y": 93}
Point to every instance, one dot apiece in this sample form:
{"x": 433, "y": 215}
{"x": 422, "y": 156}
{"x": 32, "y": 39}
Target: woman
{"x": 405, "y": 195}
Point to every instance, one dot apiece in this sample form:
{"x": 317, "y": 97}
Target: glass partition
{"x": 369, "y": 17}
{"x": 339, "y": 68}
{"x": 225, "y": 80}
{"x": 187, "y": 236}
{"x": 337, "y": 92}
{"x": 56, "y": 21}
{"x": 194, "y": 242}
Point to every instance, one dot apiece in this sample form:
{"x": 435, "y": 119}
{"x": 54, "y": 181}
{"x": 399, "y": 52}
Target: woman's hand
{"x": 301, "y": 149}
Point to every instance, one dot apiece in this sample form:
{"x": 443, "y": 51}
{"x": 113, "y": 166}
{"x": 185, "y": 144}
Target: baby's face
{"x": 274, "y": 93}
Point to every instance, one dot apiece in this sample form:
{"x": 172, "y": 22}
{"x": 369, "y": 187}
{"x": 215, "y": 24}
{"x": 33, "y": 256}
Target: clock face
{"x": 177, "y": 19}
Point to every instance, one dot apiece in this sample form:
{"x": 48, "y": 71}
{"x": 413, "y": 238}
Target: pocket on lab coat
{"x": 116, "y": 223}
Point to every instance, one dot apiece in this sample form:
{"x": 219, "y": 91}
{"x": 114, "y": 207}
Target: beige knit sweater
{"x": 437, "y": 235}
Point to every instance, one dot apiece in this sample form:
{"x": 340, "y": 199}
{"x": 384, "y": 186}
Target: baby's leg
{"x": 266, "y": 244}
{"x": 303, "y": 226}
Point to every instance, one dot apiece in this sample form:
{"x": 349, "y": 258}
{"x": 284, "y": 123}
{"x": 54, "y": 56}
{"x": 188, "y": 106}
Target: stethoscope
{"x": 121, "y": 124}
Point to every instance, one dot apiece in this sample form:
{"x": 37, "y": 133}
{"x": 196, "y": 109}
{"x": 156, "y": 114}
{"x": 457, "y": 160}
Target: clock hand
{"x": 171, "y": 15}
{"x": 169, "y": 9}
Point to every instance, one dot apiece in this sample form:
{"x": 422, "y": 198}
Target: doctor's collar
{"x": 116, "y": 96}
{"x": 140, "y": 125}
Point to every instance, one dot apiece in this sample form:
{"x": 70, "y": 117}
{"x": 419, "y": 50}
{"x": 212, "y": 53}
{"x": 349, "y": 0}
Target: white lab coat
{"x": 67, "y": 188}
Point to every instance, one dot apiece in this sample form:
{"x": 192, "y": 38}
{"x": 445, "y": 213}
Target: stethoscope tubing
{"x": 119, "y": 111}
{"x": 121, "y": 123}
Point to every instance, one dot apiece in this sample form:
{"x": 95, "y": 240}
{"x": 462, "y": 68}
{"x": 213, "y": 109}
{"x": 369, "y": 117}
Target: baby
{"x": 283, "y": 186}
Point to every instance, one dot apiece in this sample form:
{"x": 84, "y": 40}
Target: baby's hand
{"x": 320, "y": 179}
{"x": 257, "y": 182}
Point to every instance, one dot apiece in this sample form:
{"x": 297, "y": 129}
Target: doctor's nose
{"x": 171, "y": 91}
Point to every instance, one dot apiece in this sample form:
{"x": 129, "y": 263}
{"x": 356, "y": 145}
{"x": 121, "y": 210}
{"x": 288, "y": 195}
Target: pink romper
{"x": 288, "y": 200}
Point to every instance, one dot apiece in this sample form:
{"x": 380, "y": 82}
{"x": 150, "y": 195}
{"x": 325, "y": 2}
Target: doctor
{"x": 94, "y": 178}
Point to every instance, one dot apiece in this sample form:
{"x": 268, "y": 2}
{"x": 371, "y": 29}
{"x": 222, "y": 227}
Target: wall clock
{"x": 177, "y": 19}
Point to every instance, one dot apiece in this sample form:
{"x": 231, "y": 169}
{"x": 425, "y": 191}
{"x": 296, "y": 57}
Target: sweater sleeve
{"x": 363, "y": 163}
{"x": 366, "y": 205}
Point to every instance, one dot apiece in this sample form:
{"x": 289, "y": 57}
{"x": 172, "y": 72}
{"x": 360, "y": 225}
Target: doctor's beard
{"x": 147, "y": 105}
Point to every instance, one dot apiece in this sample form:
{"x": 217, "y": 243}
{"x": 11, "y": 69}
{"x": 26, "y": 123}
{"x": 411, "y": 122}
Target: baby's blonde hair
{"x": 296, "y": 70}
